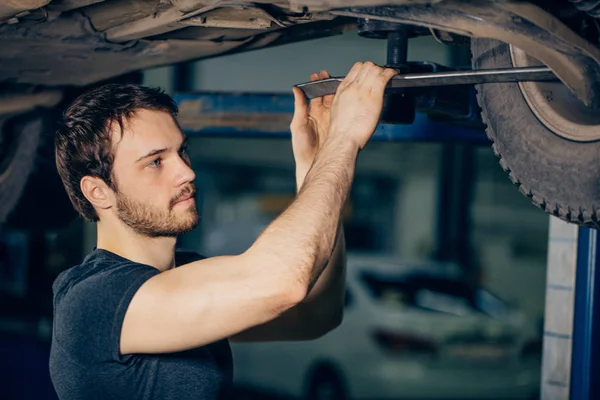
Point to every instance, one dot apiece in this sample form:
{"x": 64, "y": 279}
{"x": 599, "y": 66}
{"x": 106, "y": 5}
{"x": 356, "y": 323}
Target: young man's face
{"x": 155, "y": 189}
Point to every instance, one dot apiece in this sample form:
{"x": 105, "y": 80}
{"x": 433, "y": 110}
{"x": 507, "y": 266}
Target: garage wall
{"x": 276, "y": 69}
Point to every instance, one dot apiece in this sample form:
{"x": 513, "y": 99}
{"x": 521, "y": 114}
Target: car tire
{"x": 31, "y": 193}
{"x": 325, "y": 384}
{"x": 559, "y": 174}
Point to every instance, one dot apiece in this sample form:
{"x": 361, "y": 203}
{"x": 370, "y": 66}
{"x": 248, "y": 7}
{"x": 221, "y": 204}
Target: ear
{"x": 97, "y": 192}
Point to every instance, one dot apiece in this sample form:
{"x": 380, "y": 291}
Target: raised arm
{"x": 216, "y": 298}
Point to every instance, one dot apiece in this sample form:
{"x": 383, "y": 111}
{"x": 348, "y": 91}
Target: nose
{"x": 184, "y": 173}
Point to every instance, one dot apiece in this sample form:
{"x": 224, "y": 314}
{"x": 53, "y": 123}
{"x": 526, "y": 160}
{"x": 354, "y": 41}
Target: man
{"x": 139, "y": 320}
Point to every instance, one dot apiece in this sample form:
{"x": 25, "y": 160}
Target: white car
{"x": 409, "y": 331}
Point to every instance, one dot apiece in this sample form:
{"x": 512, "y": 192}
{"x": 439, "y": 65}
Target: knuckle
{"x": 386, "y": 75}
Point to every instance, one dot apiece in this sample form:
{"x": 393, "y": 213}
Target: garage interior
{"x": 508, "y": 293}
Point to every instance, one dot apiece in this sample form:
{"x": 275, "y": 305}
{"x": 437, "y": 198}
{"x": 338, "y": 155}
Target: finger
{"x": 352, "y": 74}
{"x": 375, "y": 76}
{"x": 381, "y": 81}
{"x": 300, "y": 108}
{"x": 389, "y": 73}
{"x": 328, "y": 99}
{"x": 366, "y": 73}
{"x": 316, "y": 101}
{"x": 323, "y": 74}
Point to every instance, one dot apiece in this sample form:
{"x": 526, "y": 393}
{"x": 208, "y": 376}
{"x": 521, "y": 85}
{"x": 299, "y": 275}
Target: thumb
{"x": 300, "y": 107}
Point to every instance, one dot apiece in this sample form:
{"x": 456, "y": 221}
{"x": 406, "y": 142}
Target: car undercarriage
{"x": 547, "y": 134}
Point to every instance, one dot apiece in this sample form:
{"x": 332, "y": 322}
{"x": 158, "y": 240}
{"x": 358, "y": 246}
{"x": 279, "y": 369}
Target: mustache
{"x": 188, "y": 191}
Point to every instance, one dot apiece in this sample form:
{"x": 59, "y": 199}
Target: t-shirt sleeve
{"x": 91, "y": 313}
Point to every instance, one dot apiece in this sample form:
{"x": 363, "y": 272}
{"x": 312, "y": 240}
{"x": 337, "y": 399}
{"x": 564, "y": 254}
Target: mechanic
{"x": 138, "y": 319}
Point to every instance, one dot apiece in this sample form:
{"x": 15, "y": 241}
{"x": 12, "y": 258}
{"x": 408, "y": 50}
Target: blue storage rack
{"x": 269, "y": 116}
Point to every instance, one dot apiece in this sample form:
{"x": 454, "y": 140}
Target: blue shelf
{"x": 269, "y": 116}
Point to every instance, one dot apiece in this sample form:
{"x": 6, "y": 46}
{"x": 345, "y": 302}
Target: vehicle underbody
{"x": 83, "y": 42}
{"x": 49, "y": 46}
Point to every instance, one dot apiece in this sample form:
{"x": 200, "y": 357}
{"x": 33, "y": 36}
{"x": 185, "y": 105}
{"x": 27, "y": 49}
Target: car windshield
{"x": 432, "y": 293}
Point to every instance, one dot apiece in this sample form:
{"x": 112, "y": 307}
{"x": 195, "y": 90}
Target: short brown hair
{"x": 83, "y": 142}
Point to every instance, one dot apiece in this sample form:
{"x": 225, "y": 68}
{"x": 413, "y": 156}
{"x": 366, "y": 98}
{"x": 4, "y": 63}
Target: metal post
{"x": 572, "y": 316}
{"x": 397, "y": 47}
{"x": 585, "y": 360}
{"x": 183, "y": 77}
{"x": 457, "y": 174}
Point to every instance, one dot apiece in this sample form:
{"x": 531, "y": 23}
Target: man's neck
{"x": 156, "y": 252}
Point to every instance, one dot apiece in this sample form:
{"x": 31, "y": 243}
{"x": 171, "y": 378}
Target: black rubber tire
{"x": 560, "y": 176}
{"x": 31, "y": 193}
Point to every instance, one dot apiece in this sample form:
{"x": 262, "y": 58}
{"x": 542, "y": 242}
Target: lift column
{"x": 571, "y": 329}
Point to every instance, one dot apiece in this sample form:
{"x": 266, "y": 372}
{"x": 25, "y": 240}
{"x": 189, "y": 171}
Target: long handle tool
{"x": 527, "y": 74}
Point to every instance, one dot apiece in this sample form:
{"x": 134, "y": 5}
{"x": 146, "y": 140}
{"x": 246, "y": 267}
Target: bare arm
{"x": 320, "y": 312}
{"x": 324, "y": 304}
{"x": 216, "y": 298}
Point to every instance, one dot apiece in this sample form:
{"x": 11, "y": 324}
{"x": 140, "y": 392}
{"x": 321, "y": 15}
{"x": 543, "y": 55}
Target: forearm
{"x": 320, "y": 311}
{"x": 323, "y": 307}
{"x": 329, "y": 290}
{"x": 302, "y": 238}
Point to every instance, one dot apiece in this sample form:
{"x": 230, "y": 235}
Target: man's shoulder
{"x": 97, "y": 267}
{"x": 101, "y": 266}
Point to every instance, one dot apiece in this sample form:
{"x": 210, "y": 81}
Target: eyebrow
{"x": 160, "y": 151}
{"x": 152, "y": 153}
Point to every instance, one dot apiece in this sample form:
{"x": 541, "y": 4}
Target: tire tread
{"x": 578, "y": 214}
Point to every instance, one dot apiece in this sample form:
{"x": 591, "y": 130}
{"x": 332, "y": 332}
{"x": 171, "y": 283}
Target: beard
{"x": 151, "y": 221}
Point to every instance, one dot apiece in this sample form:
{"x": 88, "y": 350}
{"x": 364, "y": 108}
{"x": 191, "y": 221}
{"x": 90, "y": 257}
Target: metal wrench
{"x": 329, "y": 86}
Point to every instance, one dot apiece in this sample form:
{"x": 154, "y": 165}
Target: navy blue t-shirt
{"x": 90, "y": 301}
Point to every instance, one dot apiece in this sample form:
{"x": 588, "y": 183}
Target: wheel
{"x": 547, "y": 141}
{"x": 31, "y": 192}
{"x": 325, "y": 385}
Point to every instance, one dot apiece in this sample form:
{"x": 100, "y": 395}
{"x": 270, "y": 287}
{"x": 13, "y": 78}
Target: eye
{"x": 156, "y": 163}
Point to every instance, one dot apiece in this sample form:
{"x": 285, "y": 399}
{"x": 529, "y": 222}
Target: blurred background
{"x": 446, "y": 259}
